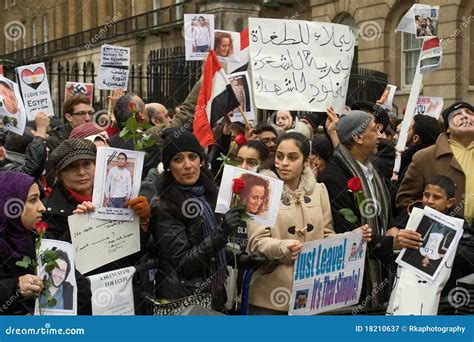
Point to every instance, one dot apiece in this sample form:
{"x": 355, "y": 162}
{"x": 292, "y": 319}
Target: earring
{"x": 168, "y": 170}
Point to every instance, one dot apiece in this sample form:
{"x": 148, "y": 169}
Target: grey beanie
{"x": 353, "y": 123}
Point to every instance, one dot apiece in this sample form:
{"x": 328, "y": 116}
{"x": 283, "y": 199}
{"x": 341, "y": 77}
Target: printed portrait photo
{"x": 119, "y": 179}
{"x": 426, "y": 22}
{"x": 256, "y": 194}
{"x": 301, "y": 299}
{"x": 199, "y": 35}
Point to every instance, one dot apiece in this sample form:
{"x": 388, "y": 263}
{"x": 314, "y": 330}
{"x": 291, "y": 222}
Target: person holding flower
{"x": 22, "y": 211}
{"x": 189, "y": 238}
{"x": 360, "y": 197}
{"x": 304, "y": 215}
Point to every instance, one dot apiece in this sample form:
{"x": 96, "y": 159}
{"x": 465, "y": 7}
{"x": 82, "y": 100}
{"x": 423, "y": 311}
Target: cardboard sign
{"x": 300, "y": 65}
{"x": 328, "y": 274}
{"x": 114, "y": 67}
{"x": 34, "y": 86}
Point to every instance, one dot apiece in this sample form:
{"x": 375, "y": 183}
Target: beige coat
{"x": 304, "y": 215}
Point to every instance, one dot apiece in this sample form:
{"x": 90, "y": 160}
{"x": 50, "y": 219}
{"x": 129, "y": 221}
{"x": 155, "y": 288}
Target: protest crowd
{"x": 340, "y": 172}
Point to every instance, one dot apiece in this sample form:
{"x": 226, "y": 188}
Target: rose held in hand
{"x": 238, "y": 186}
{"x": 240, "y": 139}
{"x": 41, "y": 228}
{"x": 354, "y": 184}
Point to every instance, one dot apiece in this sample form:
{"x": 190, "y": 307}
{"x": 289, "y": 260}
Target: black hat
{"x": 178, "y": 140}
{"x": 71, "y": 150}
{"x": 322, "y": 147}
{"x": 381, "y": 114}
{"x": 452, "y": 108}
{"x": 315, "y": 119}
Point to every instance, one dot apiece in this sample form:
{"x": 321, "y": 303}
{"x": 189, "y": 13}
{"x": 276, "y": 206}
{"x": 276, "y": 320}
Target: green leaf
{"x": 123, "y": 132}
{"x": 22, "y": 263}
{"x": 50, "y": 255}
{"x": 50, "y": 266}
{"x": 150, "y": 142}
{"x": 131, "y": 124}
{"x": 348, "y": 215}
{"x": 146, "y": 126}
{"x": 139, "y": 145}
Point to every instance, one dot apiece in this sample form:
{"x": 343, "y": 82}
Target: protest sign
{"x": 114, "y": 67}
{"x": 240, "y": 83}
{"x": 431, "y": 55}
{"x": 120, "y": 172}
{"x": 328, "y": 274}
{"x": 386, "y": 100}
{"x": 199, "y": 35}
{"x": 12, "y": 111}
{"x": 411, "y": 295}
{"x": 441, "y": 234}
{"x": 78, "y": 88}
{"x": 426, "y": 20}
{"x": 227, "y": 46}
{"x": 415, "y": 21}
{"x": 260, "y": 194}
{"x": 62, "y": 278}
{"x": 111, "y": 240}
{"x": 112, "y": 293}
{"x": 34, "y": 86}
{"x": 300, "y": 65}
{"x": 429, "y": 105}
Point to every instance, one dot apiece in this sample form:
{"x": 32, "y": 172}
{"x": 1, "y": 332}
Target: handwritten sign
{"x": 328, "y": 274}
{"x": 429, "y": 105}
{"x": 111, "y": 240}
{"x": 112, "y": 293}
{"x": 34, "y": 86}
{"x": 300, "y": 65}
{"x": 114, "y": 67}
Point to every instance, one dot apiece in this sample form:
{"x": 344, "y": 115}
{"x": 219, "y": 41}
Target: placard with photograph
{"x": 119, "y": 172}
{"x": 227, "y": 45}
{"x": 12, "y": 111}
{"x": 441, "y": 234}
{"x": 240, "y": 83}
{"x": 62, "y": 279}
{"x": 198, "y": 35}
{"x": 426, "y": 20}
{"x": 260, "y": 194}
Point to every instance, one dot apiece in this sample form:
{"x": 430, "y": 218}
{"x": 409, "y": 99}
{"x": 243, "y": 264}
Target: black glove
{"x": 232, "y": 220}
{"x": 254, "y": 260}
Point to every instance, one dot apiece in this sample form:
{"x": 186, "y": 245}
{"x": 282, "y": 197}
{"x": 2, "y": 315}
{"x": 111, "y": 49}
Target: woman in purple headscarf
{"x": 20, "y": 210}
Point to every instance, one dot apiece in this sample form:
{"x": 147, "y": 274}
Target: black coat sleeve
{"x": 174, "y": 243}
{"x": 35, "y": 157}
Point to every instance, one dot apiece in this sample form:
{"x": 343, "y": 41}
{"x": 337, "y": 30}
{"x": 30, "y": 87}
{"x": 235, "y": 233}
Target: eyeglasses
{"x": 82, "y": 113}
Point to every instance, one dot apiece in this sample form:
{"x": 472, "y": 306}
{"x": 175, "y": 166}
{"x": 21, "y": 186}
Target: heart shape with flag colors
{"x": 33, "y": 78}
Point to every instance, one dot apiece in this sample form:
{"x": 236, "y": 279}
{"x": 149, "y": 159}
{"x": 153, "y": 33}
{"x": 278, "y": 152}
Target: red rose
{"x": 133, "y": 107}
{"x": 238, "y": 186}
{"x": 41, "y": 227}
{"x": 240, "y": 139}
{"x": 354, "y": 184}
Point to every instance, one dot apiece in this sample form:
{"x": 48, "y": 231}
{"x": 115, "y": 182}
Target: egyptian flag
{"x": 216, "y": 98}
{"x": 244, "y": 54}
{"x": 33, "y": 78}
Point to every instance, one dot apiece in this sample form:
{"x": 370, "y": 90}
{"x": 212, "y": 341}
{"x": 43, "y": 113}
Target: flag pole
{"x": 247, "y": 123}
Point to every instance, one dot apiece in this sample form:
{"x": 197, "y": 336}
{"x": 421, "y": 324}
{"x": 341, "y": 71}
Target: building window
{"x": 156, "y": 16}
{"x": 411, "y": 47}
{"x": 33, "y": 32}
{"x": 45, "y": 32}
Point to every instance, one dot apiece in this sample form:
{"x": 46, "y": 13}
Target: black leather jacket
{"x": 31, "y": 163}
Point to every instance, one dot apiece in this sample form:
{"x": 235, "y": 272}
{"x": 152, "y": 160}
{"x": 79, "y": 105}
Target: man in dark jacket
{"x": 359, "y": 137}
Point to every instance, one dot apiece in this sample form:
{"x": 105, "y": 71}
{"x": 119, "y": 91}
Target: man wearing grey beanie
{"x": 359, "y": 138}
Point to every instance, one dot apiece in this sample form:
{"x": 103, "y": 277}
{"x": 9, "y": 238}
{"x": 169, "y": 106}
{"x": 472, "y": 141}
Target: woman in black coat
{"x": 190, "y": 240}
{"x": 22, "y": 209}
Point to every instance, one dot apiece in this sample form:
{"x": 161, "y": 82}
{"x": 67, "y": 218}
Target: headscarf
{"x": 14, "y": 237}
